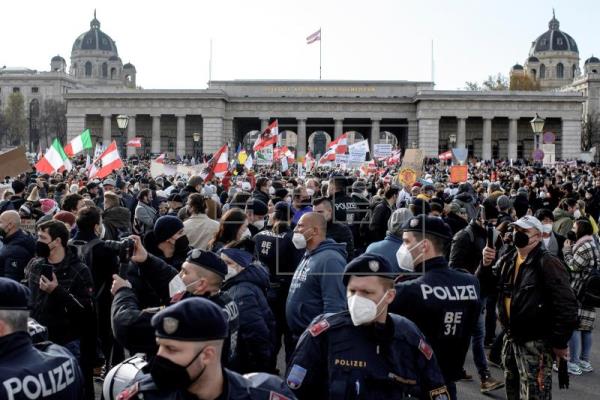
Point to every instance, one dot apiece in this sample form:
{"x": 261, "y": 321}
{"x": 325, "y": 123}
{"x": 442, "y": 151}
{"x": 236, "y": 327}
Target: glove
{"x": 563, "y": 374}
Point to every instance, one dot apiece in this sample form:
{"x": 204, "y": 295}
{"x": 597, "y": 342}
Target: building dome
{"x": 533, "y": 59}
{"x": 129, "y": 66}
{"x": 95, "y": 39}
{"x": 114, "y": 58}
{"x": 592, "y": 60}
{"x": 57, "y": 58}
{"x": 518, "y": 67}
{"x": 554, "y": 39}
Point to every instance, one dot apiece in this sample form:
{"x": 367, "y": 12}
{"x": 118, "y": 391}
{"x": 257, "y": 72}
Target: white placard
{"x": 549, "y": 154}
{"x": 382, "y": 150}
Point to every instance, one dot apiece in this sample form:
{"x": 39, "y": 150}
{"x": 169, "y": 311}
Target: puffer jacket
{"x": 256, "y": 338}
{"x": 543, "y": 305}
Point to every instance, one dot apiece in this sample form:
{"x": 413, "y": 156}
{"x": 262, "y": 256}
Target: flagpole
{"x": 320, "y": 52}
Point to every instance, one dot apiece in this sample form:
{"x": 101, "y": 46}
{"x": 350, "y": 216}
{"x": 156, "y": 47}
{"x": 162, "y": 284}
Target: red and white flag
{"x": 394, "y": 158}
{"x": 268, "y": 137}
{"x": 339, "y": 145}
{"x": 107, "y": 162}
{"x": 309, "y": 161}
{"x": 447, "y": 155}
{"x": 135, "y": 142}
{"x": 329, "y": 156}
{"x": 314, "y": 37}
{"x": 218, "y": 165}
{"x": 160, "y": 159}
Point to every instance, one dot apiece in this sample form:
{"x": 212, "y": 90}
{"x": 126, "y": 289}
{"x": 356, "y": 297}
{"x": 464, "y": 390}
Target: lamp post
{"x": 196, "y": 137}
{"x": 122, "y": 122}
{"x": 537, "y": 125}
{"x": 452, "y": 140}
{"x": 414, "y": 144}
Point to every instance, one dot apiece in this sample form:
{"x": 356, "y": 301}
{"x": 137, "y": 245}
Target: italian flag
{"x": 109, "y": 161}
{"x": 80, "y": 143}
{"x": 54, "y": 159}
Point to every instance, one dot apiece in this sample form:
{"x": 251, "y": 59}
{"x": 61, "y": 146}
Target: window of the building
{"x": 574, "y": 70}
{"x": 534, "y": 74}
{"x": 104, "y": 70}
{"x": 113, "y": 73}
{"x": 88, "y": 69}
{"x": 16, "y": 90}
{"x": 542, "y": 71}
{"x": 35, "y": 90}
{"x": 560, "y": 71}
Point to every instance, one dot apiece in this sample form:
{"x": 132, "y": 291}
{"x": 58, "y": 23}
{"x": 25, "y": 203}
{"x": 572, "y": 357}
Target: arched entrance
{"x": 289, "y": 139}
{"x": 317, "y": 142}
{"x": 354, "y": 136}
{"x": 388, "y": 137}
{"x": 249, "y": 139}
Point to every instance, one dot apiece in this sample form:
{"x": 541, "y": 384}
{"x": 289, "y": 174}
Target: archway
{"x": 249, "y": 138}
{"x": 318, "y": 142}
{"x": 388, "y": 137}
{"x": 354, "y": 136}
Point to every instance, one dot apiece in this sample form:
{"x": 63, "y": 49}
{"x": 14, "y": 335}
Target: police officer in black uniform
{"x": 365, "y": 352}
{"x": 43, "y": 371}
{"x": 442, "y": 302}
{"x": 190, "y": 335}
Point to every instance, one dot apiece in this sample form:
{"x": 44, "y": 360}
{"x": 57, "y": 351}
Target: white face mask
{"x": 542, "y": 195}
{"x": 259, "y": 224}
{"x": 271, "y": 190}
{"x": 577, "y": 214}
{"x": 299, "y": 241}
{"x": 246, "y": 234}
{"x": 547, "y": 228}
{"x": 546, "y": 241}
{"x": 176, "y": 285}
{"x": 362, "y": 310}
{"x": 231, "y": 272}
{"x": 310, "y": 192}
{"x": 405, "y": 258}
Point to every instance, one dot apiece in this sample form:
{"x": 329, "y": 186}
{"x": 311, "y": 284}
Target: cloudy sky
{"x": 169, "y": 41}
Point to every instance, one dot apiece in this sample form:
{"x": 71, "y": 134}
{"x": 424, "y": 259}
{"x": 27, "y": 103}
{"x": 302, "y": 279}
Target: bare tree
{"x": 497, "y": 82}
{"x": 14, "y": 119}
{"x": 590, "y": 132}
{"x": 53, "y": 121}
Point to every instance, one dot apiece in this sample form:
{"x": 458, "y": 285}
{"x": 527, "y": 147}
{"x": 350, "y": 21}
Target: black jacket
{"x": 18, "y": 249}
{"x": 262, "y": 196}
{"x": 340, "y": 232}
{"x": 117, "y": 222}
{"x": 467, "y": 246}
{"x": 256, "y": 337}
{"x": 543, "y": 305}
{"x": 379, "y": 221}
{"x": 455, "y": 222}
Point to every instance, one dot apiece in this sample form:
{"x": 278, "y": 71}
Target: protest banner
{"x": 382, "y": 150}
{"x": 459, "y": 173}
{"x": 14, "y": 162}
{"x": 264, "y": 156}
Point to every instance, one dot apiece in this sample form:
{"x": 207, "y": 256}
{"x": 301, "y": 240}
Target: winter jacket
{"x": 18, "y": 249}
{"x": 317, "y": 286}
{"x": 117, "y": 223}
{"x": 256, "y": 336}
{"x": 299, "y": 213}
{"x": 563, "y": 221}
{"x": 145, "y": 216}
{"x": 340, "y": 233}
{"x": 467, "y": 246}
{"x": 467, "y": 201}
{"x": 543, "y": 305}
{"x": 260, "y": 195}
{"x": 387, "y": 248}
{"x": 455, "y": 222}
{"x": 379, "y": 221}
{"x": 199, "y": 230}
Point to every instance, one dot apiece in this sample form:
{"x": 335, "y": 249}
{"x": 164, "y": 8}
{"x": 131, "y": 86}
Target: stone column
{"x": 156, "y": 134}
{"x": 486, "y": 151}
{"x": 461, "y": 133}
{"x": 513, "y": 138}
{"x": 75, "y": 125}
{"x": 130, "y": 135}
{"x": 338, "y": 128}
{"x": 413, "y": 133}
{"x": 212, "y": 134}
{"x": 375, "y": 129}
{"x": 264, "y": 122}
{"x": 429, "y": 136}
{"x": 570, "y": 139}
{"x": 106, "y": 130}
{"x": 301, "y": 144}
{"x": 180, "y": 146}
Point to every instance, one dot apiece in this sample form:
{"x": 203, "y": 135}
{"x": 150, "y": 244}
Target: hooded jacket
{"x": 563, "y": 221}
{"x": 256, "y": 336}
{"x": 466, "y": 201}
{"x": 317, "y": 286}
{"x": 387, "y": 248}
{"x": 18, "y": 249}
{"x": 117, "y": 222}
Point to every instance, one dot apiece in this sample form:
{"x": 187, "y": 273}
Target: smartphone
{"x": 490, "y": 236}
{"x": 47, "y": 271}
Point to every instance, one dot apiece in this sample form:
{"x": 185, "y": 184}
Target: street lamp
{"x": 452, "y": 139}
{"x": 537, "y": 125}
{"x": 196, "y": 137}
{"x": 414, "y": 144}
{"x": 122, "y": 122}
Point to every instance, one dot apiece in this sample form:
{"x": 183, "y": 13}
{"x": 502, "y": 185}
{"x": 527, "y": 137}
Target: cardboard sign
{"x": 359, "y": 147}
{"x": 407, "y": 176}
{"x": 382, "y": 150}
{"x": 14, "y": 162}
{"x": 549, "y": 154}
{"x": 459, "y": 173}
{"x": 355, "y": 160}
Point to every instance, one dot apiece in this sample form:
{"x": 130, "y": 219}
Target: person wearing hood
{"x": 565, "y": 215}
{"x": 337, "y": 231}
{"x": 168, "y": 241}
{"x": 18, "y": 246}
{"x": 313, "y": 292}
{"x": 247, "y": 283}
{"x": 456, "y": 217}
{"x": 388, "y": 247}
{"x": 116, "y": 219}
{"x": 466, "y": 199}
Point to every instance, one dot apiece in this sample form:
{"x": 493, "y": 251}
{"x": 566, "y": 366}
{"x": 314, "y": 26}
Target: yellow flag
{"x": 242, "y": 157}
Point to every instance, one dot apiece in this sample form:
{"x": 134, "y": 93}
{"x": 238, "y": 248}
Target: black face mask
{"x": 170, "y": 376}
{"x": 520, "y": 239}
{"x": 182, "y": 244}
{"x": 42, "y": 249}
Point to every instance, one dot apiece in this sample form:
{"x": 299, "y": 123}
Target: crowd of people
{"x": 263, "y": 284}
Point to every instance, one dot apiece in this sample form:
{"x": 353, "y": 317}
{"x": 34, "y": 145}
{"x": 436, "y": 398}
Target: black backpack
{"x": 589, "y": 291}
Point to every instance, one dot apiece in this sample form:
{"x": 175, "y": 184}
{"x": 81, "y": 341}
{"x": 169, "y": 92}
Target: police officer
{"x": 444, "y": 303}
{"x": 365, "y": 352}
{"x": 190, "y": 335}
{"x": 46, "y": 371}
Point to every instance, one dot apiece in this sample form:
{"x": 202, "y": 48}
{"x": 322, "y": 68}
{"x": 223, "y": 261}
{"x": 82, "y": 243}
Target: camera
{"x": 124, "y": 248}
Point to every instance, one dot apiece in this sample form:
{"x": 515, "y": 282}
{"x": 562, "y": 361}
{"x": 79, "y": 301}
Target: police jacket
{"x": 278, "y": 253}
{"x": 256, "y": 336}
{"x": 18, "y": 249}
{"x": 46, "y": 372}
{"x": 235, "y": 387}
{"x": 543, "y": 305}
{"x": 345, "y": 207}
{"x": 444, "y": 304}
{"x": 69, "y": 309}
{"x": 336, "y": 360}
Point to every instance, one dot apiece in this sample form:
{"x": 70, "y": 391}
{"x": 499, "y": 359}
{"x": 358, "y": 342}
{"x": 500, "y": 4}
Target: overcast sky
{"x": 168, "y": 41}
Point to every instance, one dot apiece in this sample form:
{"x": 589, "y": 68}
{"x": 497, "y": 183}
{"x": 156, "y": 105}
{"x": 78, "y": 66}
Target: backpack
{"x": 589, "y": 291}
{"x": 85, "y": 250}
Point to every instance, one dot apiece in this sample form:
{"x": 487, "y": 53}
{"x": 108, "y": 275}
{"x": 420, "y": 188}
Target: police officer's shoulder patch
{"x": 319, "y": 327}
{"x": 130, "y": 392}
{"x": 426, "y": 349}
{"x": 439, "y": 394}
{"x": 296, "y": 376}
